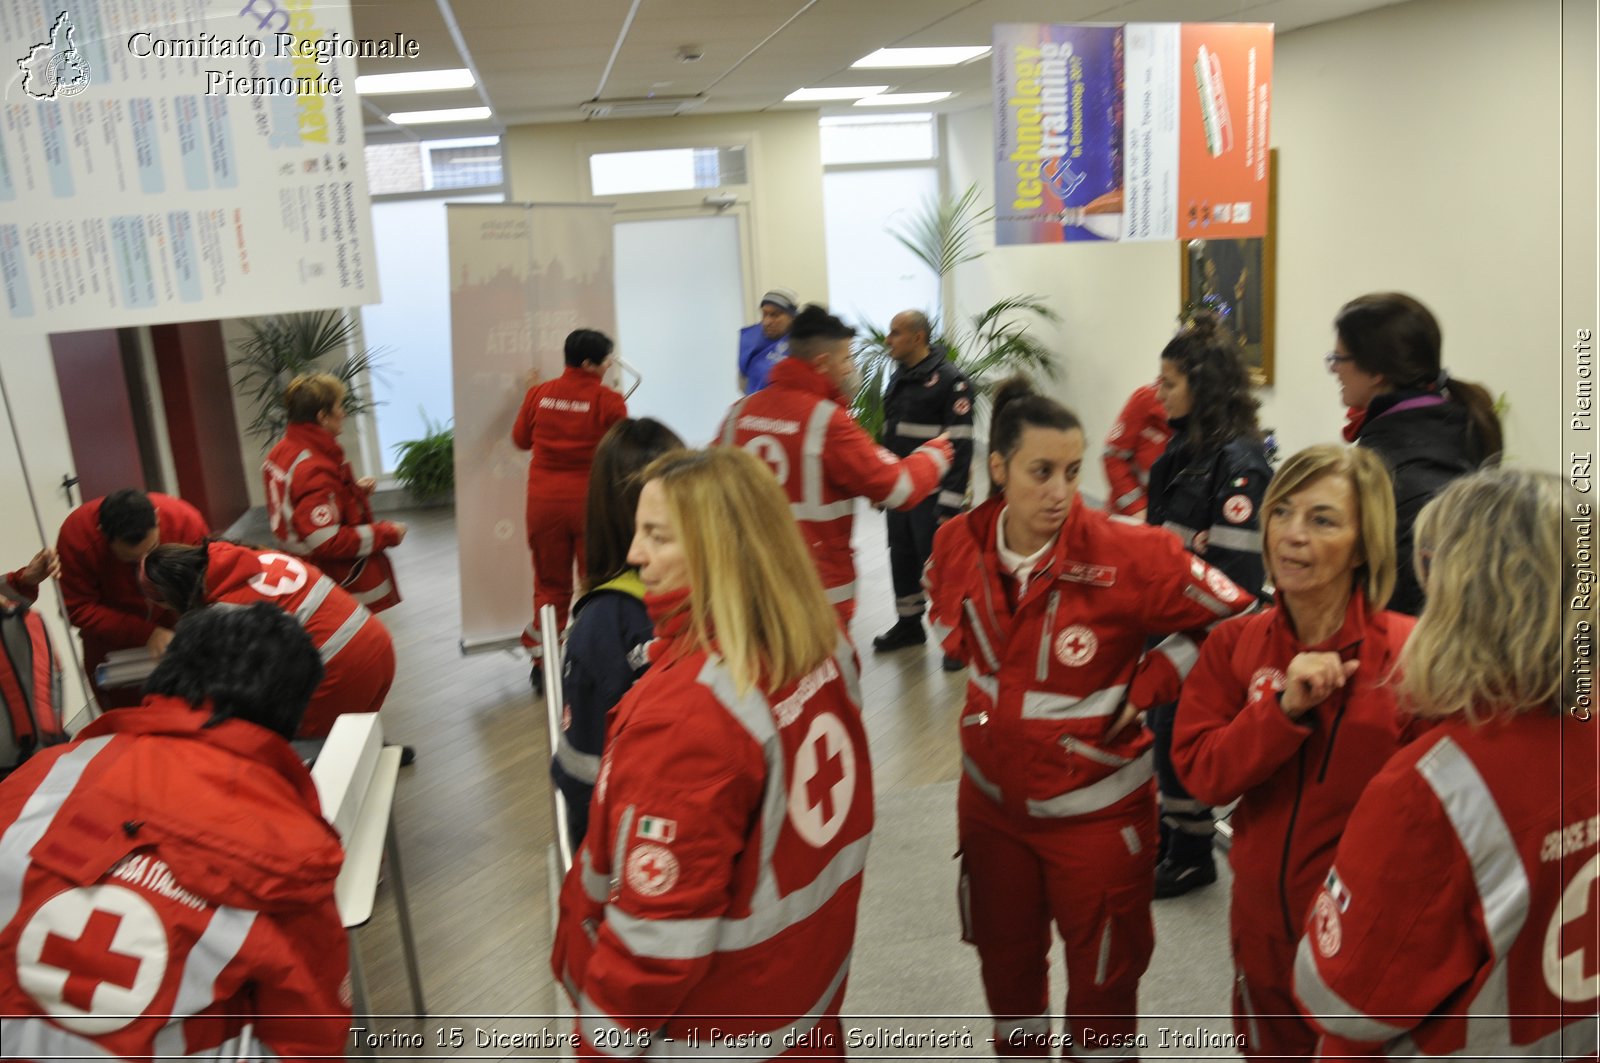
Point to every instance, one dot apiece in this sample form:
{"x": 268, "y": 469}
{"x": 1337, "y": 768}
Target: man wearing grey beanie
{"x": 762, "y": 345}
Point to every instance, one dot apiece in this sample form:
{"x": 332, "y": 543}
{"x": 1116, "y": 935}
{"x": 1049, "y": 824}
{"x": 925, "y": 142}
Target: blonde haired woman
{"x": 1292, "y": 711}
{"x": 1458, "y": 917}
{"x": 718, "y": 883}
{"x": 317, "y": 507}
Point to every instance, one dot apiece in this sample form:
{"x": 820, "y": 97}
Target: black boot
{"x": 907, "y": 631}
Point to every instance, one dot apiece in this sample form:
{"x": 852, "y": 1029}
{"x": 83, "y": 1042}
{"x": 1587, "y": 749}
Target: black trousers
{"x": 1186, "y": 824}
{"x": 910, "y": 546}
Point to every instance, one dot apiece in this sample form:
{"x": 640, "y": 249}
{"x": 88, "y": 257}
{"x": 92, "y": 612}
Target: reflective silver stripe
{"x": 1131, "y": 497}
{"x": 844, "y": 592}
{"x": 811, "y": 463}
{"x": 376, "y": 594}
{"x": 1154, "y": 435}
{"x": 314, "y": 598}
{"x": 320, "y": 536}
{"x": 940, "y": 631}
{"x": 1104, "y": 960}
{"x": 1180, "y": 651}
{"x": 1230, "y": 538}
{"x": 1249, "y": 1008}
{"x": 730, "y": 427}
{"x": 10, "y": 593}
{"x": 899, "y": 492}
{"x": 216, "y": 948}
{"x": 780, "y": 1039}
{"x": 1210, "y": 601}
{"x": 952, "y": 499}
{"x": 596, "y": 885}
{"x": 606, "y": 1036}
{"x": 939, "y": 459}
{"x": 368, "y": 540}
{"x": 1130, "y": 837}
{"x": 1119, "y": 452}
{"x": 1090, "y": 751}
{"x": 285, "y": 477}
{"x": 1103, "y": 794}
{"x": 584, "y": 767}
{"x": 1332, "y": 1012}
{"x": 1182, "y": 531}
{"x": 1042, "y": 669}
{"x": 1183, "y": 804}
{"x": 35, "y": 818}
{"x": 1049, "y": 705}
{"x": 981, "y": 635}
{"x": 959, "y": 431}
{"x": 912, "y": 430}
{"x": 988, "y": 685}
{"x": 345, "y": 632}
{"x": 844, "y": 656}
{"x": 822, "y": 512}
{"x": 990, "y": 790}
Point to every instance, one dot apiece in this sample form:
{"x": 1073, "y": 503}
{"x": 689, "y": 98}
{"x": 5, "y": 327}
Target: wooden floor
{"x": 473, "y": 815}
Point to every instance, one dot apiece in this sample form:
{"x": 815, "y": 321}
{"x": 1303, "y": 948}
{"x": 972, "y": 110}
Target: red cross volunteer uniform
{"x": 1056, "y": 820}
{"x": 561, "y": 421}
{"x": 1461, "y": 915}
{"x": 166, "y": 890}
{"x": 357, "y": 653}
{"x": 800, "y": 425}
{"x": 318, "y": 511}
{"x": 1136, "y": 440}
{"x": 714, "y": 900}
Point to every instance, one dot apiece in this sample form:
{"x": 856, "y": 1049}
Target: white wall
{"x": 1419, "y": 149}
{"x": 548, "y": 164}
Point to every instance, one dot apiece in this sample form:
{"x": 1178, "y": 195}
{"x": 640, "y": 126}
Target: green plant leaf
{"x": 427, "y": 466}
{"x": 279, "y": 348}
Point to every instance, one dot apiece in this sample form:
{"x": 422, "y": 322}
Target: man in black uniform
{"x": 927, "y": 396}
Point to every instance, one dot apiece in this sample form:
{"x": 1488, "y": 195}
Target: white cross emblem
{"x": 771, "y": 451}
{"x": 93, "y": 958}
{"x": 824, "y": 783}
{"x": 280, "y": 574}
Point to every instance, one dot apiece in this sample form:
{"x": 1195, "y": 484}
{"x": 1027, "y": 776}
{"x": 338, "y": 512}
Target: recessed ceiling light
{"x": 415, "y": 81}
{"x": 891, "y": 99}
{"x": 905, "y": 57}
{"x": 455, "y": 114}
{"x": 851, "y": 92}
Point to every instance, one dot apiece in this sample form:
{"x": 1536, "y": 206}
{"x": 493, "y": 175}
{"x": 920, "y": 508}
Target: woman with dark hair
{"x": 1428, "y": 427}
{"x": 1051, "y": 603}
{"x": 1206, "y": 488}
{"x": 561, "y": 421}
{"x": 317, "y": 507}
{"x": 610, "y": 624}
{"x": 357, "y": 654}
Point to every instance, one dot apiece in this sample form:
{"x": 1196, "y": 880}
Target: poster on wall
{"x": 1141, "y": 131}
{"x": 192, "y": 159}
{"x": 522, "y": 276}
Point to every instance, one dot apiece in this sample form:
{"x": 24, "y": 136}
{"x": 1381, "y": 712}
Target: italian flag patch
{"x": 656, "y": 829}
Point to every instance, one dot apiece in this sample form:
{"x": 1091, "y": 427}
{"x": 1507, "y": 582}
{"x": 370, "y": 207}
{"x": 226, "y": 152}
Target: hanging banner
{"x": 192, "y": 159}
{"x": 522, "y": 276}
{"x": 1144, "y": 131}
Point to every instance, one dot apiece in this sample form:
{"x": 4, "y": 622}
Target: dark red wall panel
{"x": 192, "y": 362}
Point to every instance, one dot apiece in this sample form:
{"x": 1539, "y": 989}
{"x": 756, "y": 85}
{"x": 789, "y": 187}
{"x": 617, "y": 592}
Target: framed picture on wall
{"x": 1236, "y": 279}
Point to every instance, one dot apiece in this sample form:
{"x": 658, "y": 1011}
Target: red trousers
{"x": 1095, "y": 878}
{"x": 356, "y": 680}
{"x": 1265, "y": 1013}
{"x": 555, "y": 537}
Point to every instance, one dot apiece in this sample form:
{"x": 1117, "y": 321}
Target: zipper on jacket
{"x": 619, "y": 849}
{"x": 1288, "y": 842}
{"x": 1338, "y": 718}
{"x": 1094, "y": 753}
{"x": 1042, "y": 672}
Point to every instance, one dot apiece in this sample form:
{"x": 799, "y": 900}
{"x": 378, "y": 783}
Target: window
{"x": 472, "y": 162}
{"x": 878, "y": 138}
{"x": 622, "y": 173}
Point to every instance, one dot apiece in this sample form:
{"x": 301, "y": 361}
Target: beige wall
{"x": 1419, "y": 149}
{"x": 549, "y": 164}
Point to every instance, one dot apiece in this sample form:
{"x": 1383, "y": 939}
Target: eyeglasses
{"x": 1333, "y": 358}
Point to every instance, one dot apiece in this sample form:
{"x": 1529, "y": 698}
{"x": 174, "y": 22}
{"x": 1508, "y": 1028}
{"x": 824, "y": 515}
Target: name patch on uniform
{"x": 565, "y": 405}
{"x": 769, "y": 424}
{"x": 788, "y": 710}
{"x": 1093, "y": 575}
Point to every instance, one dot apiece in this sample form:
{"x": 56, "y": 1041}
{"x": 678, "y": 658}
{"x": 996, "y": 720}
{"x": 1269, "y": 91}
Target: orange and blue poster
{"x": 1145, "y": 131}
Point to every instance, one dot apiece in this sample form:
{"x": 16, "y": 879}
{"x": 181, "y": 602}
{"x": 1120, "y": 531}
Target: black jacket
{"x": 930, "y": 398}
{"x": 1213, "y": 502}
{"x": 1425, "y": 446}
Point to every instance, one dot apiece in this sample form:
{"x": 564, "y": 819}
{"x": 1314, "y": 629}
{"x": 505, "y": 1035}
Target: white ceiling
{"x": 538, "y": 60}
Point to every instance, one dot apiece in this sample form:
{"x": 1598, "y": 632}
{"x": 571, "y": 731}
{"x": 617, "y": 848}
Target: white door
{"x": 680, "y": 305}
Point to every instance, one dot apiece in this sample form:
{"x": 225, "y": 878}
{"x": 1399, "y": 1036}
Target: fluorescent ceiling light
{"x": 415, "y": 81}
{"x": 892, "y": 99}
{"x": 907, "y": 57}
{"x": 852, "y": 92}
{"x": 455, "y": 114}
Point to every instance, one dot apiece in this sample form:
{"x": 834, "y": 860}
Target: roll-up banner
{"x": 1141, "y": 131}
{"x": 522, "y": 276}
{"x": 179, "y": 161}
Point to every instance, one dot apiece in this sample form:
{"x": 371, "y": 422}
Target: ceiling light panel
{"x": 455, "y": 114}
{"x": 890, "y": 58}
{"x": 414, "y": 81}
{"x": 902, "y": 99}
{"x": 847, "y": 92}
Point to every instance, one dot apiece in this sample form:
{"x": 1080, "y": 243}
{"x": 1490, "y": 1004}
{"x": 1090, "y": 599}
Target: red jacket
{"x": 718, "y": 883}
{"x": 1051, "y": 674}
{"x": 181, "y": 878}
{"x": 14, "y": 589}
{"x": 317, "y": 510}
{"x": 102, "y": 594}
{"x": 1134, "y": 443}
{"x": 562, "y": 421}
{"x": 1296, "y": 780}
{"x": 1463, "y": 892}
{"x": 350, "y": 639}
{"x": 800, "y": 425}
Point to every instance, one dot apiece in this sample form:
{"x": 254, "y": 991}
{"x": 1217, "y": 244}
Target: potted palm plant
{"x": 427, "y": 466}
{"x": 277, "y": 349}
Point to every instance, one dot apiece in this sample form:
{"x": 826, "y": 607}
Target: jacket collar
{"x": 1359, "y": 620}
{"x": 797, "y": 373}
{"x": 936, "y": 358}
{"x": 313, "y": 436}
